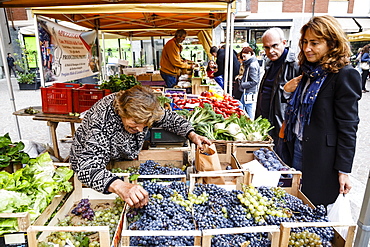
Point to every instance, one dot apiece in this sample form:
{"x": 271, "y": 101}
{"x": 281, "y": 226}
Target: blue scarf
{"x": 302, "y": 109}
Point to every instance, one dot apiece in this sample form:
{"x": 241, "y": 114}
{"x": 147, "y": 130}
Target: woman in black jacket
{"x": 322, "y": 113}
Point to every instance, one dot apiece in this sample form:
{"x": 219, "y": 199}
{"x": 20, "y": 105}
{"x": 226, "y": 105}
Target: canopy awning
{"x": 348, "y": 24}
{"x": 142, "y": 20}
{"x": 362, "y": 36}
{"x": 48, "y": 3}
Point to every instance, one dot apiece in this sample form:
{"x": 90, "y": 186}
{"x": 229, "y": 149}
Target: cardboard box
{"x": 144, "y": 77}
{"x": 157, "y": 77}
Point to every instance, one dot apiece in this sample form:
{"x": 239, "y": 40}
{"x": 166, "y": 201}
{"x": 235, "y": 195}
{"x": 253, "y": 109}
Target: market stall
{"x": 205, "y": 214}
{"x": 154, "y": 18}
{"x": 144, "y": 20}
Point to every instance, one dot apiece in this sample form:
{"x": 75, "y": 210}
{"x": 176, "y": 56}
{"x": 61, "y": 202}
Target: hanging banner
{"x": 66, "y": 53}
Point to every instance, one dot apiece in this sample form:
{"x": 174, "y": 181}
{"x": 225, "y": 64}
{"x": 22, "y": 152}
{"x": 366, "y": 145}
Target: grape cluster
{"x": 162, "y": 212}
{"x": 83, "y": 208}
{"x": 299, "y": 212}
{"x": 269, "y": 160}
{"x": 224, "y": 210}
{"x": 304, "y": 238}
{"x": 152, "y": 168}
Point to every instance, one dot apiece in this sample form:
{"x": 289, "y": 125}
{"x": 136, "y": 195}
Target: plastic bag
{"x": 340, "y": 211}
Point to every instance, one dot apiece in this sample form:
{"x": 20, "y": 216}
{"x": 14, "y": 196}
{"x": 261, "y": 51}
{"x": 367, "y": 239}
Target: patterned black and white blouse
{"x": 102, "y": 137}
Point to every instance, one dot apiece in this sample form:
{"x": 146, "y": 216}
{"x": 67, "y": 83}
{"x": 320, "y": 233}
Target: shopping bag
{"x": 249, "y": 98}
{"x": 365, "y": 65}
{"x": 340, "y": 211}
{"x": 207, "y": 160}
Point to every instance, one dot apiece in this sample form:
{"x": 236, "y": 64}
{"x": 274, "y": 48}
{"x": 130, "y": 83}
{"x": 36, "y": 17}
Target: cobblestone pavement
{"x": 38, "y": 131}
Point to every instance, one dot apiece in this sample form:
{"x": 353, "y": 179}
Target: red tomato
{"x": 218, "y": 111}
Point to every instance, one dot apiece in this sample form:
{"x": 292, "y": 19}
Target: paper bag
{"x": 207, "y": 160}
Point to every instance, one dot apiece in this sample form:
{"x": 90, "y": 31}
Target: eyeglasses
{"x": 274, "y": 46}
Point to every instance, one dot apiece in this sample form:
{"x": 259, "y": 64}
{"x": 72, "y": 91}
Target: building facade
{"x": 253, "y": 17}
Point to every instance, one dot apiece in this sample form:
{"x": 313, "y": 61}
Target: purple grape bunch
{"x": 83, "y": 208}
{"x": 269, "y": 160}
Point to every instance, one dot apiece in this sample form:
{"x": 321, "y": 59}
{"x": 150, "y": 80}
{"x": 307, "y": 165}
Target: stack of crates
{"x": 65, "y": 98}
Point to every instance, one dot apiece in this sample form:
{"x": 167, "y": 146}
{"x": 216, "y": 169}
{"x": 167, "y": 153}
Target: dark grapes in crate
{"x": 269, "y": 160}
{"x": 83, "y": 208}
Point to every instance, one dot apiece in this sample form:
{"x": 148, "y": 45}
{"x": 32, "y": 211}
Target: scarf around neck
{"x": 301, "y": 103}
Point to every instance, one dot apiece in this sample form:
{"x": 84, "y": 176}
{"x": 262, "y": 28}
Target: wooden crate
{"x": 78, "y": 193}
{"x": 159, "y": 91}
{"x": 102, "y": 230}
{"x": 178, "y": 157}
{"x": 182, "y": 178}
{"x": 246, "y": 177}
{"x": 338, "y": 241}
{"x": 126, "y": 234}
{"x": 293, "y": 189}
{"x": 244, "y": 151}
{"x": 197, "y": 87}
{"x": 23, "y": 219}
{"x": 273, "y": 232}
{"x": 236, "y": 179}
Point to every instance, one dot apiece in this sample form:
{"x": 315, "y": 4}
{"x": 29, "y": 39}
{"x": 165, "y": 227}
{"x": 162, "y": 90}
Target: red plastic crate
{"x": 57, "y": 99}
{"x": 86, "y": 96}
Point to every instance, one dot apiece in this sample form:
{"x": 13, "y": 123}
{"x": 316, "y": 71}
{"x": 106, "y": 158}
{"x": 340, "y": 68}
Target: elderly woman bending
{"x": 114, "y": 129}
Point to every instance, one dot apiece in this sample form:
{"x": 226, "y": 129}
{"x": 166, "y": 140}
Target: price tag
{"x": 14, "y": 238}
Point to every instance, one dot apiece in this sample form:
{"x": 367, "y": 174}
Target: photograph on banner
{"x": 67, "y": 54}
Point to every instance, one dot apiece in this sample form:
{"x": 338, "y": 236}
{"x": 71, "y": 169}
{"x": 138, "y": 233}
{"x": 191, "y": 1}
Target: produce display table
{"x": 52, "y": 121}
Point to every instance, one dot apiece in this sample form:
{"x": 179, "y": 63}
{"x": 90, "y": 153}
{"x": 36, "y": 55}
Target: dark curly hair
{"x": 328, "y": 28}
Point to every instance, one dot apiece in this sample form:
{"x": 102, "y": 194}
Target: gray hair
{"x": 275, "y": 31}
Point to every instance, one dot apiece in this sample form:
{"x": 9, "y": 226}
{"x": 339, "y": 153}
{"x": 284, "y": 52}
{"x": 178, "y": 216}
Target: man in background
{"x": 171, "y": 62}
{"x": 11, "y": 65}
{"x": 281, "y": 67}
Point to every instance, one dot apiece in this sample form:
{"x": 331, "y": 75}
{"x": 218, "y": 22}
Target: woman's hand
{"x": 198, "y": 139}
{"x": 291, "y": 85}
{"x": 133, "y": 194}
{"x": 344, "y": 183}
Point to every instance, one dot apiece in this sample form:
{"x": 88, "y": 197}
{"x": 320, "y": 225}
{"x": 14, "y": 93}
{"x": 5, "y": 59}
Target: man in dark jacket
{"x": 11, "y": 65}
{"x": 220, "y": 61}
{"x": 281, "y": 67}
